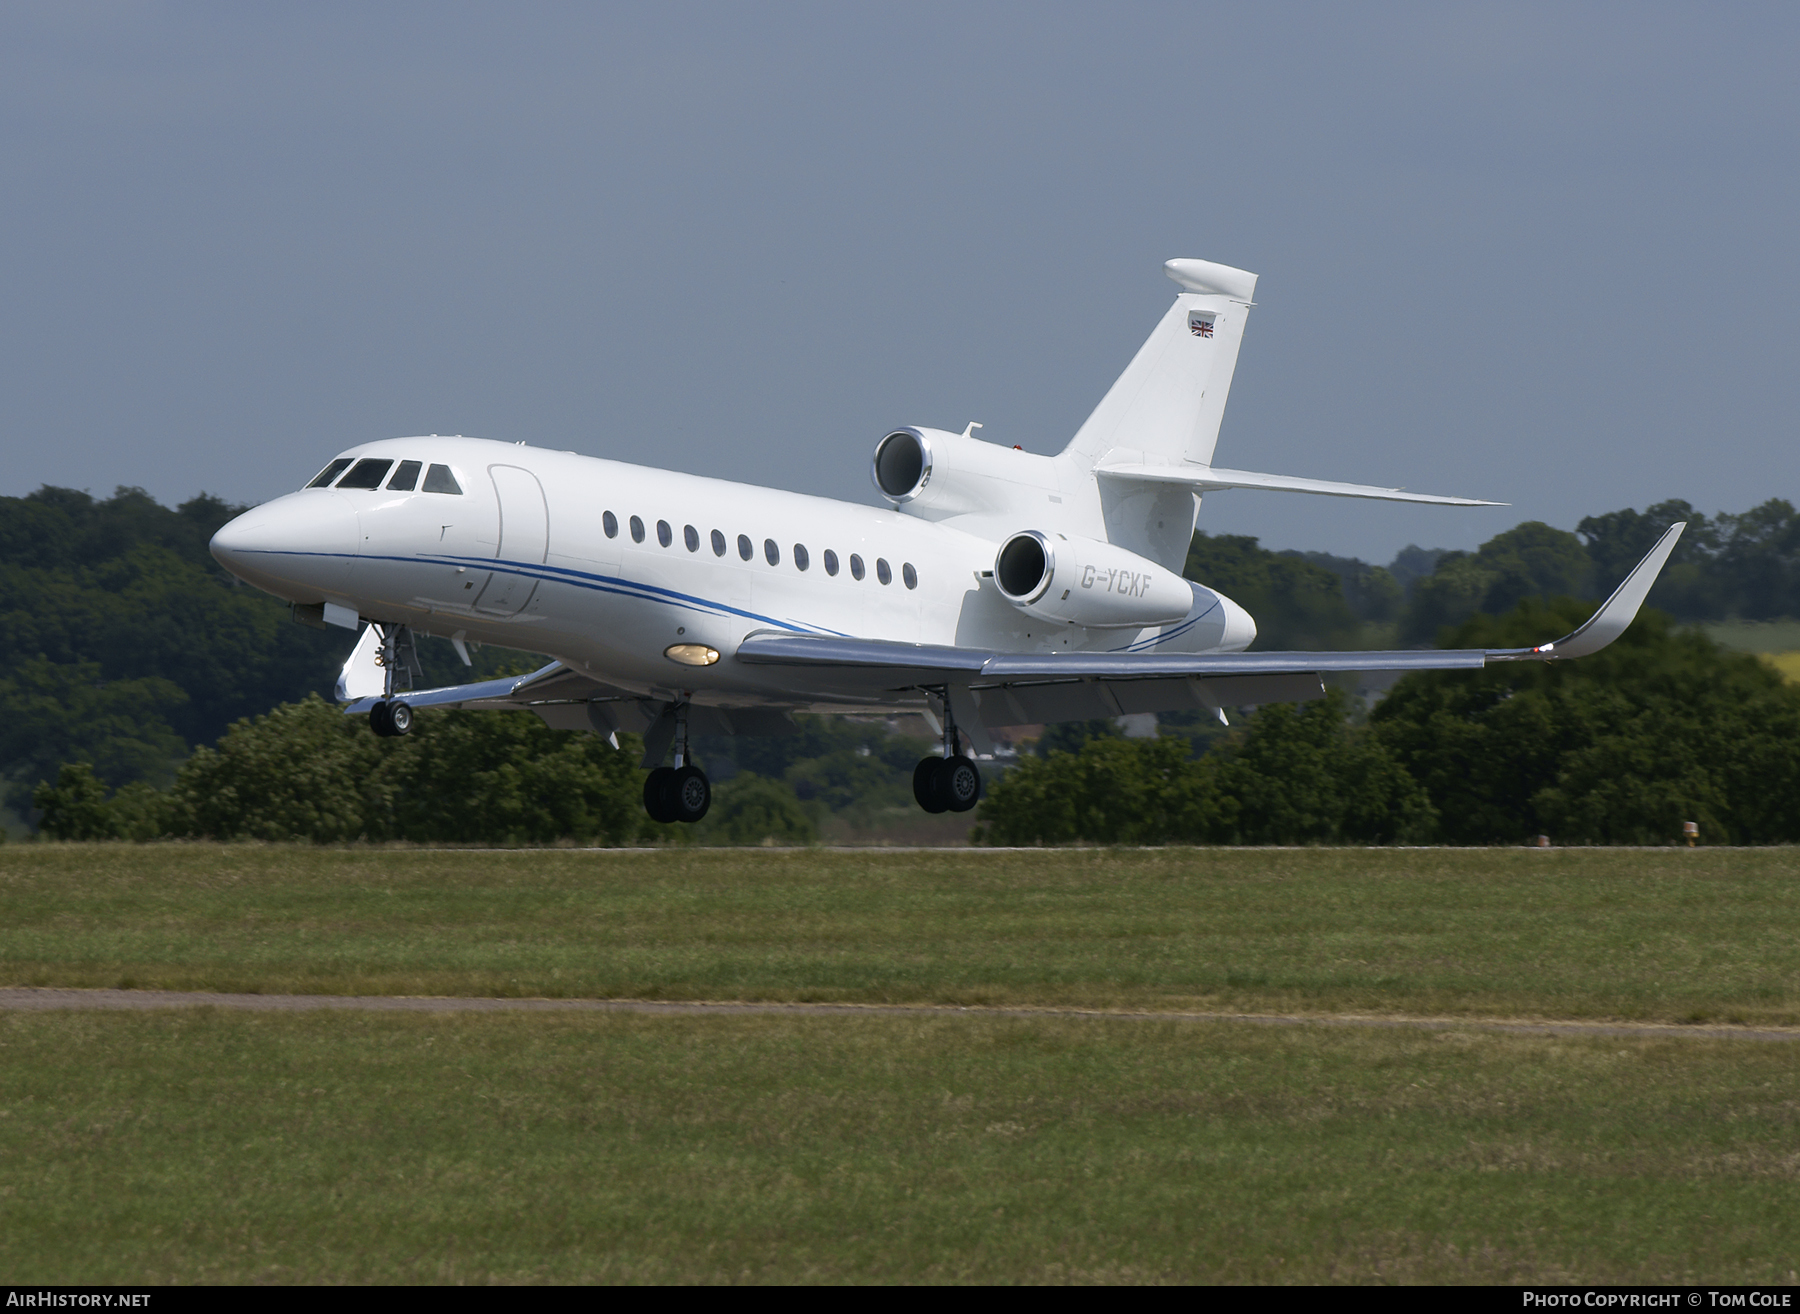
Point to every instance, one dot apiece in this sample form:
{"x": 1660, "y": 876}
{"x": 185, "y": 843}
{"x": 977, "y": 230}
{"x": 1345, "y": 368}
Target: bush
{"x": 307, "y": 772}
{"x": 1297, "y": 775}
{"x": 749, "y": 809}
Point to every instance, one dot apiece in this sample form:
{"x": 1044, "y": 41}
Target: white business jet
{"x": 996, "y": 588}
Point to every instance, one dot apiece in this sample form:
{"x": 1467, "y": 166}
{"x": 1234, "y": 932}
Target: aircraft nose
{"x": 297, "y": 546}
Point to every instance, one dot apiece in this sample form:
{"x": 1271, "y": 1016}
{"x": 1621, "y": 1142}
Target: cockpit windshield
{"x": 330, "y": 472}
{"x": 368, "y": 474}
{"x": 370, "y": 471}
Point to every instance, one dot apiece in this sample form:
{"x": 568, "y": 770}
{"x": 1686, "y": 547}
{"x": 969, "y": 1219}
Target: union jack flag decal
{"x": 1200, "y": 323}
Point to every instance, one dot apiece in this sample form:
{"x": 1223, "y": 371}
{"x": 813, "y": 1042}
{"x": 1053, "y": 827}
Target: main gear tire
{"x": 960, "y": 783}
{"x": 928, "y": 786}
{"x": 690, "y": 794}
{"x": 378, "y": 720}
{"x": 659, "y": 799}
{"x": 399, "y": 718}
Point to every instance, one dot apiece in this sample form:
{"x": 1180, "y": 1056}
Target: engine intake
{"x": 1078, "y": 581}
{"x": 902, "y": 465}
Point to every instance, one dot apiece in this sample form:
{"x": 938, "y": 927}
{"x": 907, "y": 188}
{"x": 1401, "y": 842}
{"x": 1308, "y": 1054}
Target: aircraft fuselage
{"x": 606, "y": 566}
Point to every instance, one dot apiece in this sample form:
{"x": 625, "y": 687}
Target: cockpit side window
{"x": 438, "y": 479}
{"x": 405, "y": 477}
{"x": 366, "y": 473}
{"x": 330, "y": 472}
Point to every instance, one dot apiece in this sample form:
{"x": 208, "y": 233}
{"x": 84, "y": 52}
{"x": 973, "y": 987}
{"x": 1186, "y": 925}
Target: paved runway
{"x": 37, "y": 999}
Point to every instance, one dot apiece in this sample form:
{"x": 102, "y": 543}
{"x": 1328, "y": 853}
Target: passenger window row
{"x": 370, "y": 471}
{"x": 771, "y": 550}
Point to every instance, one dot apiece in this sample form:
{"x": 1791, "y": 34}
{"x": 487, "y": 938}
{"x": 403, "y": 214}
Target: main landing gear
{"x": 399, "y": 661}
{"x": 949, "y": 783}
{"x": 681, "y": 792}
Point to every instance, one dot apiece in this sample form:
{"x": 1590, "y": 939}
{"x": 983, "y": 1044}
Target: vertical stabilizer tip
{"x": 1208, "y": 279}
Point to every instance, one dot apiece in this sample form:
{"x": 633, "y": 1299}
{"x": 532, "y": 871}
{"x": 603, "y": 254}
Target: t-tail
{"x": 1149, "y": 443}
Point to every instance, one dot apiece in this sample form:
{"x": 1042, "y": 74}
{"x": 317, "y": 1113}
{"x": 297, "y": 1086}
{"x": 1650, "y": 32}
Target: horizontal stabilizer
{"x": 1202, "y": 478}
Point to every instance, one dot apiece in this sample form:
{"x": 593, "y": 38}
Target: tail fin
{"x": 1169, "y": 401}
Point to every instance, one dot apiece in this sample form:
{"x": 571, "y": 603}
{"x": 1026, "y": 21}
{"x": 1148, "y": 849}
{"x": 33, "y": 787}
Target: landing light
{"x": 691, "y": 654}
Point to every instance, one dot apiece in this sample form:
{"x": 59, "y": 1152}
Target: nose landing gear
{"x": 399, "y": 661}
{"x": 391, "y": 717}
{"x": 681, "y": 792}
{"x": 949, "y": 783}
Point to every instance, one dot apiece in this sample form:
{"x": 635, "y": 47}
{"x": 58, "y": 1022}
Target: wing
{"x": 987, "y": 687}
{"x": 1024, "y": 688}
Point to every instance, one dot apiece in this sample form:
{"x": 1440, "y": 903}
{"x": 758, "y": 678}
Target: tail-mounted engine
{"x": 935, "y": 474}
{"x": 1078, "y": 581}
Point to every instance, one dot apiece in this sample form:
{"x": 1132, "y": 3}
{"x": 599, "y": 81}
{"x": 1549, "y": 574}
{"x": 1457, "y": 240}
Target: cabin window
{"x": 664, "y": 534}
{"x": 772, "y": 551}
{"x": 610, "y": 523}
{"x": 637, "y": 530}
{"x": 746, "y": 549}
{"x": 718, "y": 541}
{"x": 438, "y": 479}
{"x": 910, "y": 575}
{"x": 882, "y": 571}
{"x": 405, "y": 477}
{"x": 801, "y": 560}
{"x": 831, "y": 566}
{"x": 856, "y": 566}
{"x": 691, "y": 537}
{"x": 330, "y": 472}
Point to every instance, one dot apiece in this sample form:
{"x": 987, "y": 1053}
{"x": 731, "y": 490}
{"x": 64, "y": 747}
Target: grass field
{"x": 206, "y": 1145}
{"x": 1756, "y": 636}
{"x": 176, "y": 1148}
{"x": 1675, "y": 936}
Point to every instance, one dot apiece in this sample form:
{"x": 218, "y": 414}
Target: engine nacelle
{"x": 1077, "y": 581}
{"x": 935, "y": 474}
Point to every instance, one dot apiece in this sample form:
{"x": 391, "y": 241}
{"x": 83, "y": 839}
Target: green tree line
{"x": 124, "y": 647}
{"x": 1725, "y": 567}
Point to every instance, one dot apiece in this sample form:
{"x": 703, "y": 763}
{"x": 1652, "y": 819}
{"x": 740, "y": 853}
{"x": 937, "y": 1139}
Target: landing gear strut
{"x": 949, "y": 783}
{"x": 398, "y": 658}
{"x": 681, "y": 792}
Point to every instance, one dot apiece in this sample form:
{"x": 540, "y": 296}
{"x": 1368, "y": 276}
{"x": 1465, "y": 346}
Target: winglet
{"x": 1614, "y": 616}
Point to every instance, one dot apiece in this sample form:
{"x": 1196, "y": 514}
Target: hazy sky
{"x": 1545, "y": 254}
